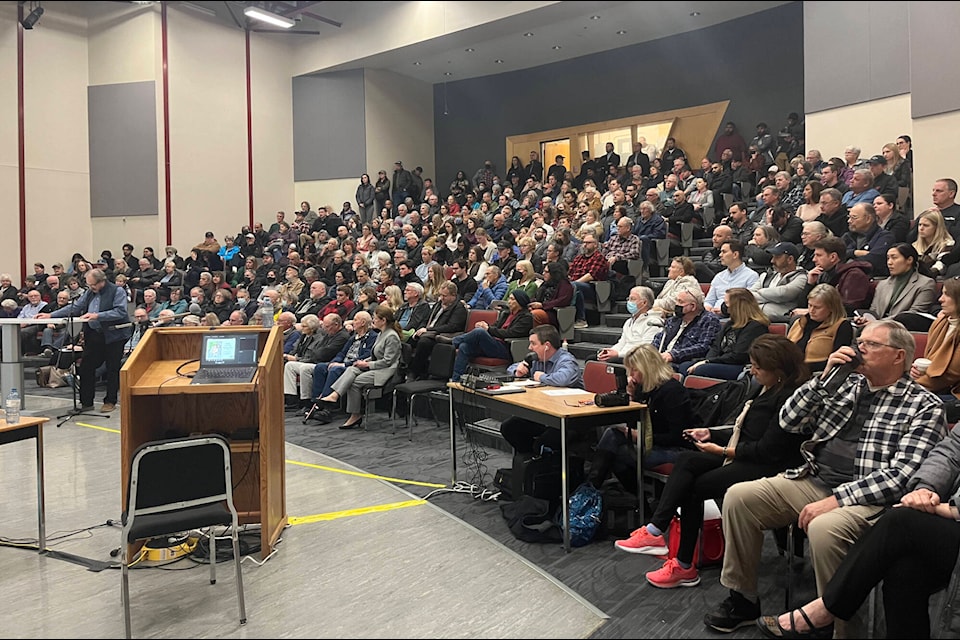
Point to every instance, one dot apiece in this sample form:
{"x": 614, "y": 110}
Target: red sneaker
{"x": 671, "y": 575}
{"x": 642, "y": 542}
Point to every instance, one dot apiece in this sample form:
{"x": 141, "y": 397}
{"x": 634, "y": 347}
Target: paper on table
{"x": 526, "y": 382}
{"x": 565, "y": 392}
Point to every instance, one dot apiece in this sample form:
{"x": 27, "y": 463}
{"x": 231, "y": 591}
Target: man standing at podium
{"x": 106, "y": 328}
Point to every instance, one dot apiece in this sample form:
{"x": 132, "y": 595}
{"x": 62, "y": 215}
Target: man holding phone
{"x": 869, "y": 426}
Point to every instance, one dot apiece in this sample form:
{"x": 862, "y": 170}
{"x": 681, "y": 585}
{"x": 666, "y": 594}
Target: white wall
{"x": 935, "y": 143}
{"x": 272, "y": 112}
{"x": 398, "y": 129}
{"x": 868, "y": 125}
{"x": 318, "y": 193}
{"x": 9, "y": 173}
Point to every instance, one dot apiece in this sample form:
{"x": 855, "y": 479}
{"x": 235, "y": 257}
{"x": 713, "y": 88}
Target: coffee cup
{"x": 921, "y": 364}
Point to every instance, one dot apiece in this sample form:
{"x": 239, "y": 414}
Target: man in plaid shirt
{"x": 688, "y": 335}
{"x": 868, "y": 434}
{"x": 589, "y": 266}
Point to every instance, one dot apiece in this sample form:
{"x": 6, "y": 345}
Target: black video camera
{"x": 618, "y": 398}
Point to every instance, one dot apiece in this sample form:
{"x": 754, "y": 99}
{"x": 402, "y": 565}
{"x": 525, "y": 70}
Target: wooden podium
{"x": 157, "y": 402}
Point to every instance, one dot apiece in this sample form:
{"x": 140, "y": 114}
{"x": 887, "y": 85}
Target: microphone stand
{"x": 71, "y": 332}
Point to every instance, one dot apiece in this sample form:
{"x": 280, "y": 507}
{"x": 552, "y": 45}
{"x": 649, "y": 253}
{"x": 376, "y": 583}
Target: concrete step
{"x": 600, "y": 335}
{"x": 616, "y": 320}
{"x": 584, "y": 350}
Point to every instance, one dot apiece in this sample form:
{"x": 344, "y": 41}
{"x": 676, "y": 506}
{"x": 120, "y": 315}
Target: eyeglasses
{"x": 871, "y": 345}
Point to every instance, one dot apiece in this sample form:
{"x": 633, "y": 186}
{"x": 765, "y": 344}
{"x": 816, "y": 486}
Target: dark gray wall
{"x": 122, "y": 122}
{"x": 859, "y": 51}
{"x": 934, "y": 51}
{"x": 755, "y": 62}
{"x": 321, "y": 151}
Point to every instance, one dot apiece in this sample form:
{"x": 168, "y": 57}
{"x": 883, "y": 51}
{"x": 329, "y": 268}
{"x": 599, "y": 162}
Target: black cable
{"x": 189, "y": 374}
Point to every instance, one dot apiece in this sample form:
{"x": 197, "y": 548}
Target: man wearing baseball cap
{"x": 780, "y": 289}
{"x": 883, "y": 182}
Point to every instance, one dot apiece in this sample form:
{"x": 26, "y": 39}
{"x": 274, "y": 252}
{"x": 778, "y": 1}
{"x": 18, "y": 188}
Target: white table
{"x": 11, "y": 364}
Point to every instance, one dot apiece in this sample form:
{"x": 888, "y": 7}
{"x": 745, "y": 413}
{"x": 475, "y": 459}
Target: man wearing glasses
{"x": 868, "y": 431}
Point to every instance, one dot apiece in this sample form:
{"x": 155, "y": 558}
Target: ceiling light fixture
{"x": 270, "y": 18}
{"x": 594, "y": 17}
{"x": 621, "y": 32}
{"x": 556, "y": 47}
{"x": 498, "y": 61}
{"x": 447, "y": 73}
{"x": 694, "y": 14}
{"x": 469, "y": 49}
{"x": 417, "y": 64}
{"x": 528, "y": 34}
{"x": 32, "y": 18}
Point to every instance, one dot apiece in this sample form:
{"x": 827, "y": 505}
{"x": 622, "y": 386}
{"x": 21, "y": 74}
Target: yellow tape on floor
{"x": 360, "y": 474}
{"x": 93, "y": 426}
{"x": 334, "y": 515}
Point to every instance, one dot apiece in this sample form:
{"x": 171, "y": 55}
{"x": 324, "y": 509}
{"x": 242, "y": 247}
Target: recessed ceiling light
{"x": 498, "y": 61}
{"x": 447, "y": 73}
{"x": 528, "y": 34}
{"x": 417, "y": 64}
{"x": 621, "y": 32}
{"x": 594, "y": 17}
{"x": 469, "y": 49}
{"x": 556, "y": 47}
{"x": 694, "y": 14}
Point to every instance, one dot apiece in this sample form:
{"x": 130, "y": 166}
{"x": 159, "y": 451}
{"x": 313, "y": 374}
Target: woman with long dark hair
{"x": 366, "y": 200}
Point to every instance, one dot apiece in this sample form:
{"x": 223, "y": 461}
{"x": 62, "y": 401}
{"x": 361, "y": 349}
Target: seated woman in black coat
{"x": 757, "y": 447}
{"x": 730, "y": 350}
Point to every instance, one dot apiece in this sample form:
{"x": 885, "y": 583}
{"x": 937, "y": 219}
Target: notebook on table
{"x": 227, "y": 358}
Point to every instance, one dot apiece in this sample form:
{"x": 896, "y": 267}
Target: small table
{"x": 30, "y": 427}
{"x": 553, "y": 411}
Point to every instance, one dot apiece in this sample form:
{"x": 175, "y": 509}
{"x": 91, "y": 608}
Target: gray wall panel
{"x": 889, "y": 49}
{"x": 934, "y": 51}
{"x": 854, "y": 52}
{"x": 754, "y": 62}
{"x": 123, "y": 149}
{"x": 329, "y": 127}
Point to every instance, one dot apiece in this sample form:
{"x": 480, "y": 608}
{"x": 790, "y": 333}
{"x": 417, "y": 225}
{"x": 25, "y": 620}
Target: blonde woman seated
{"x": 942, "y": 377}
{"x": 764, "y": 237}
{"x": 933, "y": 242}
{"x": 822, "y": 330}
{"x": 375, "y": 372}
{"x": 682, "y": 275}
{"x": 528, "y": 283}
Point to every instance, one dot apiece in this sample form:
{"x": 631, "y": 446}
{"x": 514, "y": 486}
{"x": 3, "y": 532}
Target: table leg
{"x": 564, "y": 498}
{"x": 453, "y": 442}
{"x": 41, "y": 509}
{"x": 641, "y": 501}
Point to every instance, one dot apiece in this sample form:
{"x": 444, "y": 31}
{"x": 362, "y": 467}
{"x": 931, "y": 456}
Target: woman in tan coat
{"x": 943, "y": 374}
{"x": 824, "y": 330}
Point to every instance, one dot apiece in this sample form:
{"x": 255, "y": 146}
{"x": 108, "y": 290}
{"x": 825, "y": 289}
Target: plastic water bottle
{"x": 266, "y": 311}
{"x": 564, "y": 346}
{"x": 13, "y": 406}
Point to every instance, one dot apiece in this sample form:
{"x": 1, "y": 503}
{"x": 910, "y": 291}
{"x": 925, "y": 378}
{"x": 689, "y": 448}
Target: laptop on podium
{"x": 227, "y": 358}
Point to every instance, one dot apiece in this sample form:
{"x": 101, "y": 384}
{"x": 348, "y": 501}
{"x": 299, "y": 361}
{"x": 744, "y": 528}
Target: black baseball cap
{"x": 784, "y": 248}
{"x": 878, "y": 159}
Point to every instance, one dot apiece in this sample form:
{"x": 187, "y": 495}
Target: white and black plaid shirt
{"x": 905, "y": 424}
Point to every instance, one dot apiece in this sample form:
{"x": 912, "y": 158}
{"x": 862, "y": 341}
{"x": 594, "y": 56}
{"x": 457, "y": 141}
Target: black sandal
{"x": 770, "y": 626}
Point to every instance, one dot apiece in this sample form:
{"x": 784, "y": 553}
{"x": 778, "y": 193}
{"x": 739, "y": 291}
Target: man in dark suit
{"x": 447, "y": 318}
{"x": 610, "y": 159}
{"x": 638, "y": 157}
{"x": 535, "y": 168}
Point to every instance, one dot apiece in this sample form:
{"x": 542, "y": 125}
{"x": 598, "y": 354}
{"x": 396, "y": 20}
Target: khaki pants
{"x": 750, "y": 508}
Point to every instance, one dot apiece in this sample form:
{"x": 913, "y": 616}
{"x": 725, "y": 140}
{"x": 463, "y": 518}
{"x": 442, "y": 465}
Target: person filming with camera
{"x": 649, "y": 380}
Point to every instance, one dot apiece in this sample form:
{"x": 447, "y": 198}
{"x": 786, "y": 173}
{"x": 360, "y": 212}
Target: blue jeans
{"x": 586, "y": 291}
{"x": 475, "y": 344}
{"x": 715, "y": 370}
{"x": 323, "y": 379}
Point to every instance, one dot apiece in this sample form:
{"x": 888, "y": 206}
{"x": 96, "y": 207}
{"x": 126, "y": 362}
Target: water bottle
{"x": 564, "y": 346}
{"x": 266, "y": 311}
{"x": 13, "y": 406}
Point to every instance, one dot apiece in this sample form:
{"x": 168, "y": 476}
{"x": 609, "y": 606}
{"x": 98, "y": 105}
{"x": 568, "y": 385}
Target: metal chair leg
{"x": 212, "y": 555}
{"x": 788, "y": 592}
{"x": 236, "y": 560}
{"x": 125, "y": 588}
{"x": 393, "y": 413}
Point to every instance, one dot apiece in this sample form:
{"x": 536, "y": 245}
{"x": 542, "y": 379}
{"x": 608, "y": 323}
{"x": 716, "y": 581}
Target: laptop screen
{"x": 229, "y": 349}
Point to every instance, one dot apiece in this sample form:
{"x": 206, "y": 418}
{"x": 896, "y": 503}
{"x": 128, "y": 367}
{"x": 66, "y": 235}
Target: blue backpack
{"x": 586, "y": 510}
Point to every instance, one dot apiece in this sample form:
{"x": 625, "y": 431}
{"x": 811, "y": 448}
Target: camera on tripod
{"x": 618, "y": 398}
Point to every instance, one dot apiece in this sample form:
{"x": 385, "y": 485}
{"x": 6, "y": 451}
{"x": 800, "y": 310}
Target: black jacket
{"x": 732, "y": 346}
{"x": 670, "y": 413}
{"x": 451, "y": 320}
{"x": 520, "y": 327}
{"x": 762, "y": 441}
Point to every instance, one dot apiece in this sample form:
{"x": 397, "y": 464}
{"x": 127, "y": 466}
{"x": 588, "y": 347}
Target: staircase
{"x": 595, "y": 337}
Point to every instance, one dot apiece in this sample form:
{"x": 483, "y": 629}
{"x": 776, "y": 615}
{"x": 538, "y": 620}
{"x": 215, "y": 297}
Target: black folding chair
{"x": 175, "y": 486}
{"x": 438, "y": 374}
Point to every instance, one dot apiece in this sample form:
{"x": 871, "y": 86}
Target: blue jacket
{"x": 366, "y": 347}
{"x": 485, "y": 295}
